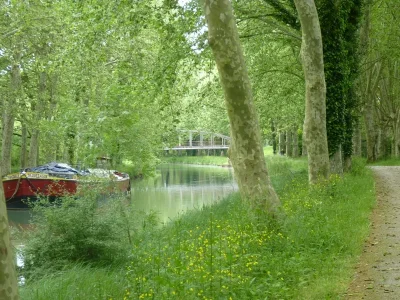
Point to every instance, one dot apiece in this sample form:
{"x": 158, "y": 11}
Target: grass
{"x": 226, "y": 252}
{"x": 386, "y": 162}
{"x": 224, "y": 160}
{"x": 78, "y": 282}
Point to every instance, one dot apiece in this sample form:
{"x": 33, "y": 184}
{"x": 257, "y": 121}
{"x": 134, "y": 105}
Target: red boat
{"x": 55, "y": 180}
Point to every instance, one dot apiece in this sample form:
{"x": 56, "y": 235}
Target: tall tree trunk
{"x": 38, "y": 110}
{"x": 357, "y": 140}
{"x": 369, "y": 85}
{"x": 8, "y": 274}
{"x": 71, "y": 144}
{"x": 295, "y": 142}
{"x": 51, "y": 153}
{"x": 282, "y": 143}
{"x": 24, "y": 137}
{"x": 315, "y": 135}
{"x": 289, "y": 144}
{"x": 336, "y": 161}
{"x": 273, "y": 134}
{"x": 9, "y": 115}
{"x": 303, "y": 145}
{"x": 370, "y": 131}
{"x": 246, "y": 151}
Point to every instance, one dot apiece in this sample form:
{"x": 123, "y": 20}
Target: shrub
{"x": 85, "y": 229}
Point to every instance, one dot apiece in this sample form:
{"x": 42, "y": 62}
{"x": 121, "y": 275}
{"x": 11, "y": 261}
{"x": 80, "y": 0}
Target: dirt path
{"x": 378, "y": 272}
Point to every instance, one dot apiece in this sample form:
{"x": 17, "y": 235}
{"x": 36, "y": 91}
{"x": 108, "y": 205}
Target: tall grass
{"x": 226, "y": 252}
{"x": 78, "y": 281}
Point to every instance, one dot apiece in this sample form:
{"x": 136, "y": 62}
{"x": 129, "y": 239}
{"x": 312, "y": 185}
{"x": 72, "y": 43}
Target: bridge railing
{"x": 204, "y": 143}
{"x": 196, "y": 139}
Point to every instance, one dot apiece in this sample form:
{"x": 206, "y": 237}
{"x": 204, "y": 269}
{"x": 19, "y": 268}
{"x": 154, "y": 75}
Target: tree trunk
{"x": 38, "y": 110}
{"x": 273, "y": 130}
{"x": 289, "y": 145}
{"x": 370, "y": 131}
{"x": 8, "y": 274}
{"x": 315, "y": 135}
{"x": 357, "y": 140}
{"x": 8, "y": 114}
{"x": 24, "y": 137}
{"x": 6, "y": 145}
{"x": 369, "y": 85}
{"x": 347, "y": 164}
{"x": 295, "y": 142}
{"x": 336, "y": 162}
{"x": 303, "y": 146}
{"x": 246, "y": 151}
{"x": 282, "y": 143}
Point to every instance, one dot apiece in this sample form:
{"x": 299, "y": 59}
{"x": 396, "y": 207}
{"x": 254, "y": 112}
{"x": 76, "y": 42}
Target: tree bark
{"x": 370, "y": 132}
{"x": 38, "y": 110}
{"x": 315, "y": 135}
{"x": 289, "y": 145}
{"x": 295, "y": 142}
{"x": 246, "y": 151}
{"x": 357, "y": 140}
{"x": 24, "y": 137}
{"x": 303, "y": 145}
{"x": 282, "y": 143}
{"x": 273, "y": 134}
{"x": 336, "y": 162}
{"x": 8, "y": 275}
{"x": 9, "y": 115}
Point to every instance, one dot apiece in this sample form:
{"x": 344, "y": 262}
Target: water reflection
{"x": 182, "y": 187}
{"x": 174, "y": 190}
{"x": 19, "y": 217}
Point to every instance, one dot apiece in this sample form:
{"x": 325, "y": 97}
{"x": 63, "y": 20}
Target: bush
{"x": 85, "y": 230}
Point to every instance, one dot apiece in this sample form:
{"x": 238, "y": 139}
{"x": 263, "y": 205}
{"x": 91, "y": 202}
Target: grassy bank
{"x": 224, "y": 161}
{"x": 386, "y": 162}
{"x": 225, "y": 252}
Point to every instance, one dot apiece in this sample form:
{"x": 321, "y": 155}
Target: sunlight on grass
{"x": 226, "y": 251}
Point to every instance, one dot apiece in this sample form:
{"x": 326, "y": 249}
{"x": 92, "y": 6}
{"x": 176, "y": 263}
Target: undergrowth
{"x": 226, "y": 252}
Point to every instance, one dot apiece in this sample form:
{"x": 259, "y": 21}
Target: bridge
{"x": 200, "y": 140}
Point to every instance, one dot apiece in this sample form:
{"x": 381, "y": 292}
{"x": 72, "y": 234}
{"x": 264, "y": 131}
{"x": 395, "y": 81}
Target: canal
{"x": 175, "y": 189}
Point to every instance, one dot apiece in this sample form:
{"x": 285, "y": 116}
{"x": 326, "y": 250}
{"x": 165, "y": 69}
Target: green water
{"x": 178, "y": 188}
{"x": 175, "y": 189}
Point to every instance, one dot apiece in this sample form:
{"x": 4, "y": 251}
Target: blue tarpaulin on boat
{"x": 54, "y": 167}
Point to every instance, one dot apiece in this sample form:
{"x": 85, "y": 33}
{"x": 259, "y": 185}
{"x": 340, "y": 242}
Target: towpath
{"x": 377, "y": 276}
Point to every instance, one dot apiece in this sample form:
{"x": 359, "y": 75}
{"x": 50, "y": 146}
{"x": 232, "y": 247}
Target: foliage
{"x": 90, "y": 230}
{"x": 77, "y": 281}
{"x": 225, "y": 251}
{"x": 339, "y": 28}
{"x": 109, "y": 76}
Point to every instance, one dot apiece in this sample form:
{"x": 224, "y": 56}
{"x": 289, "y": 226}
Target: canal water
{"x": 175, "y": 189}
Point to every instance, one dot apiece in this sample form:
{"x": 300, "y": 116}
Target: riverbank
{"x": 223, "y": 251}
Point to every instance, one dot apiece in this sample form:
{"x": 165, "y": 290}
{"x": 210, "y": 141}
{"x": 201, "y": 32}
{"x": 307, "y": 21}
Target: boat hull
{"x": 22, "y": 188}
